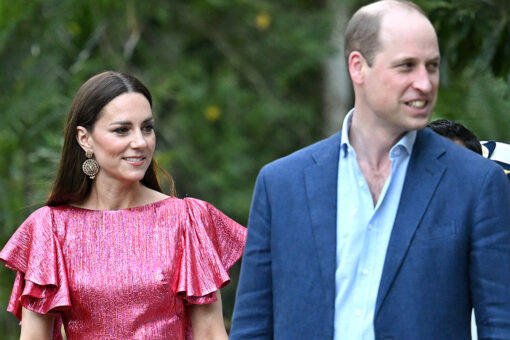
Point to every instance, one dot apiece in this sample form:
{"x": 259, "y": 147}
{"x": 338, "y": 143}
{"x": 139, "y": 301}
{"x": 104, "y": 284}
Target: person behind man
{"x": 372, "y": 233}
{"x": 456, "y": 132}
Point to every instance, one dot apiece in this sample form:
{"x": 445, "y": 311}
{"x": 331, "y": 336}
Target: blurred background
{"x": 236, "y": 84}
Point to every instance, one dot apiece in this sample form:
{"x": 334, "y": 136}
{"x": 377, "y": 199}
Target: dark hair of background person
{"x": 456, "y": 131}
{"x": 362, "y": 33}
{"x": 71, "y": 184}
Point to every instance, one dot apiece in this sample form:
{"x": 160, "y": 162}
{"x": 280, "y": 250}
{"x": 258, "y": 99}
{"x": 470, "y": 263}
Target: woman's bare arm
{"x": 35, "y": 326}
{"x": 207, "y": 321}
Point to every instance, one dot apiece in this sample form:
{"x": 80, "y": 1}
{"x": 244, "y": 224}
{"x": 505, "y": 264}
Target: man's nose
{"x": 423, "y": 80}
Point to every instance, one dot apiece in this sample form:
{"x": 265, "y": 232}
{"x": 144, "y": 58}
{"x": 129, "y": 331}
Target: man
{"x": 372, "y": 233}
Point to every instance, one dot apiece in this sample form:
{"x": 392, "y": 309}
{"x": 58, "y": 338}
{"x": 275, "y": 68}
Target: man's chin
{"x": 419, "y": 123}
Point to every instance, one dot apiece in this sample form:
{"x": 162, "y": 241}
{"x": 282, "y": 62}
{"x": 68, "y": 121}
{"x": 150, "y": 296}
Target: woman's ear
{"x": 83, "y": 138}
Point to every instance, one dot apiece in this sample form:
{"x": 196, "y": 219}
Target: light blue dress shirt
{"x": 363, "y": 233}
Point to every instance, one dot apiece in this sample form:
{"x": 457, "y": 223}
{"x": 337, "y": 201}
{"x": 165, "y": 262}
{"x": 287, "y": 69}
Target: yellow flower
{"x": 262, "y": 21}
{"x": 73, "y": 28}
{"x": 212, "y": 113}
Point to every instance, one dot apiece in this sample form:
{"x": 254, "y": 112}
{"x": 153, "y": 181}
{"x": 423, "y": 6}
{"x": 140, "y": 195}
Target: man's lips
{"x": 417, "y": 104}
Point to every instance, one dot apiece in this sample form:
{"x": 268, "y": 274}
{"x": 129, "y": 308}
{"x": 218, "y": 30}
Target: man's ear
{"x": 83, "y": 138}
{"x": 357, "y": 65}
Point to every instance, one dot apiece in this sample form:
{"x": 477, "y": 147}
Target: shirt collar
{"x": 404, "y": 144}
{"x": 345, "y": 144}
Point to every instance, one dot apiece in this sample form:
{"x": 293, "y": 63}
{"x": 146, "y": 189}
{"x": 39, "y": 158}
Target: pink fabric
{"x": 125, "y": 274}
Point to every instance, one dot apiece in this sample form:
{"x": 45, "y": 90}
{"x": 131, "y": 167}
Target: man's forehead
{"x": 408, "y": 39}
{"x": 402, "y": 25}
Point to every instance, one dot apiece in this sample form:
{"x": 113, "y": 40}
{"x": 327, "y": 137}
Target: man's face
{"x": 401, "y": 85}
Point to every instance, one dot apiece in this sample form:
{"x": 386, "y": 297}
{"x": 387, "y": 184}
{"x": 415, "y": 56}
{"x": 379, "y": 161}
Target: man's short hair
{"x": 456, "y": 131}
{"x": 362, "y": 33}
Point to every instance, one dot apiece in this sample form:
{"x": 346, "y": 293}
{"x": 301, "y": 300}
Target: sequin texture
{"x": 125, "y": 274}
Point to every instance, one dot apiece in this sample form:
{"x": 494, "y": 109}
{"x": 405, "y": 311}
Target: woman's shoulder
{"x": 196, "y": 208}
{"x": 204, "y": 215}
{"x": 44, "y": 218}
{"x": 152, "y": 195}
{"x": 42, "y": 213}
{"x": 185, "y": 202}
{"x": 57, "y": 218}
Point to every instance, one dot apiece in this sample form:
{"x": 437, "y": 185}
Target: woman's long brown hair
{"x": 71, "y": 184}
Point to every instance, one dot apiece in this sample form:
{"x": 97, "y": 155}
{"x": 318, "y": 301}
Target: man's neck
{"x": 372, "y": 144}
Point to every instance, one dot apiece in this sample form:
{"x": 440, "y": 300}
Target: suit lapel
{"x": 423, "y": 175}
{"x": 321, "y": 190}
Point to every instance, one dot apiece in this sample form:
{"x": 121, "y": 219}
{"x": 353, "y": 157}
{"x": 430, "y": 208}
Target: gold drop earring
{"x": 90, "y": 167}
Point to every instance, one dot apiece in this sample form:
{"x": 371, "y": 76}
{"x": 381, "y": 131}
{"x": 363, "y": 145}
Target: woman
{"x": 110, "y": 256}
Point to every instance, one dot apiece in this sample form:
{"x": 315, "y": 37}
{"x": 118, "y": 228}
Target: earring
{"x": 90, "y": 167}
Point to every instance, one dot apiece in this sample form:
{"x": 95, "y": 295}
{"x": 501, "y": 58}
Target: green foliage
{"x": 473, "y": 33}
{"x": 480, "y": 102}
{"x": 475, "y": 65}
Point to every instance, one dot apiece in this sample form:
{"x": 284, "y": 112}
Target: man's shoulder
{"x": 455, "y": 157}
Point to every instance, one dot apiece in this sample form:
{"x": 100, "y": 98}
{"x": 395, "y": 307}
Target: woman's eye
{"x": 120, "y": 130}
{"x": 148, "y": 128}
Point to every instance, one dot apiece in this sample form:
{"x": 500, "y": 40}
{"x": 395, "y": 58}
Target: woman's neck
{"x": 115, "y": 197}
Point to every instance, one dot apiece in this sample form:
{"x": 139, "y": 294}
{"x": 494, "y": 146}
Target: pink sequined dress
{"x": 125, "y": 274}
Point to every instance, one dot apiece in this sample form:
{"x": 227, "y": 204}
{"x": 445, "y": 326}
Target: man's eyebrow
{"x": 409, "y": 59}
{"x": 404, "y": 60}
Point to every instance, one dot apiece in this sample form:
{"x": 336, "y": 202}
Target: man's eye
{"x": 407, "y": 66}
{"x": 433, "y": 66}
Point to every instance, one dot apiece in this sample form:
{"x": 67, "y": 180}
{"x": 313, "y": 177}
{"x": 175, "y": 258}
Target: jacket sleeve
{"x": 253, "y": 311}
{"x": 490, "y": 258}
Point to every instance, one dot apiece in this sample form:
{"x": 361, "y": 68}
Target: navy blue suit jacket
{"x": 449, "y": 249}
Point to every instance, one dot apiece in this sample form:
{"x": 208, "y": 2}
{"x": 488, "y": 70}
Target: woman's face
{"x": 123, "y": 139}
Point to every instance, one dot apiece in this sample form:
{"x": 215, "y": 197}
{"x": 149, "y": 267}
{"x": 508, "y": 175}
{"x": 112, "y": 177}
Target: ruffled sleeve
{"x": 34, "y": 252}
{"x": 211, "y": 244}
